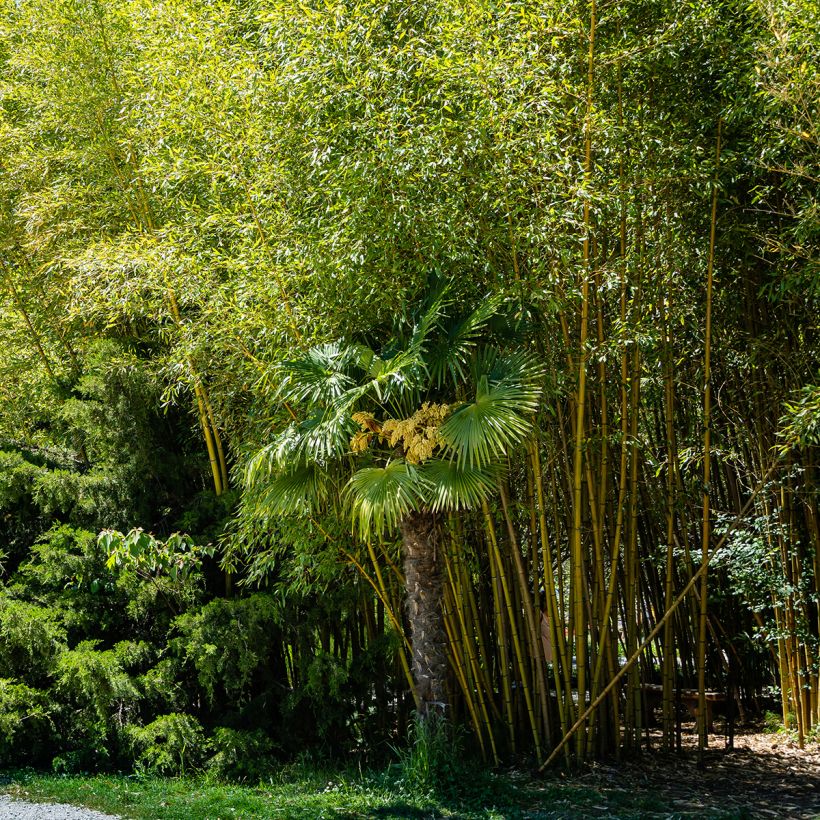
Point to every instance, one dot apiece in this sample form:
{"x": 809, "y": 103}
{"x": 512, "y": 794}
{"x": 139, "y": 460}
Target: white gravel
{"x": 11, "y": 809}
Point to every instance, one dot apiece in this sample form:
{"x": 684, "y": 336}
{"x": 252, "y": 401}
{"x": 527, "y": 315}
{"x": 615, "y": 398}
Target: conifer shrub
{"x": 173, "y": 744}
{"x": 240, "y": 756}
{"x": 31, "y": 636}
{"x": 25, "y": 723}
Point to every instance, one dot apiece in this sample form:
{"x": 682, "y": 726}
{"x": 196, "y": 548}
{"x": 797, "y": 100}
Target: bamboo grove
{"x": 214, "y": 190}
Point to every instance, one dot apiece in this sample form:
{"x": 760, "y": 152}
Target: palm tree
{"x": 396, "y": 438}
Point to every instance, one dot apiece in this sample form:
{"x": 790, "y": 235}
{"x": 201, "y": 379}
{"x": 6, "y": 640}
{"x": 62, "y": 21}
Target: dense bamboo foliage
{"x": 475, "y": 343}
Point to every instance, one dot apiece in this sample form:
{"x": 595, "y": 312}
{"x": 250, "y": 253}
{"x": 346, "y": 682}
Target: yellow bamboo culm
{"x": 134, "y": 191}
{"x": 707, "y": 459}
{"x": 682, "y": 596}
{"x": 577, "y": 585}
{"x": 560, "y": 666}
{"x": 455, "y": 646}
{"x": 519, "y": 655}
{"x": 20, "y": 305}
{"x": 503, "y": 654}
{"x": 538, "y": 661}
{"x": 481, "y": 672}
{"x": 381, "y": 592}
{"x": 469, "y": 644}
{"x": 669, "y": 663}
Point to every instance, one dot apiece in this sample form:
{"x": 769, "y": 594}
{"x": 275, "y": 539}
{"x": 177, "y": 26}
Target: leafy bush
{"x": 31, "y": 636}
{"x": 25, "y": 722}
{"x": 16, "y": 478}
{"x": 67, "y": 571}
{"x": 96, "y": 680}
{"x": 173, "y": 744}
{"x": 240, "y": 756}
{"x": 229, "y": 643}
{"x": 163, "y": 687}
{"x": 100, "y": 699}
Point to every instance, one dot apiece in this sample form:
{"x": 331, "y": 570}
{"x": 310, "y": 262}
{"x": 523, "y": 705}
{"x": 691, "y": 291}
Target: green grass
{"x": 305, "y": 792}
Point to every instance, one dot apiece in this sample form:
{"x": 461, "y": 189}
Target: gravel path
{"x": 11, "y": 809}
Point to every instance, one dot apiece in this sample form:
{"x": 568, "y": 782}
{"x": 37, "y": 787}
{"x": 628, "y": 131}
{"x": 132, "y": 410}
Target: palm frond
{"x": 321, "y": 375}
{"x": 451, "y": 354}
{"x": 381, "y": 496}
{"x": 520, "y": 368}
{"x": 262, "y": 465}
{"x": 324, "y": 435}
{"x": 424, "y": 327}
{"x": 479, "y": 433}
{"x": 299, "y": 491}
{"x": 405, "y": 372}
{"x": 366, "y": 359}
{"x": 454, "y": 486}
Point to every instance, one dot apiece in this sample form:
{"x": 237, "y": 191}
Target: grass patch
{"x": 303, "y": 792}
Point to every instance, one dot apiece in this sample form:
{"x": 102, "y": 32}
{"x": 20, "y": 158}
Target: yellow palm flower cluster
{"x": 361, "y": 440}
{"x": 418, "y": 435}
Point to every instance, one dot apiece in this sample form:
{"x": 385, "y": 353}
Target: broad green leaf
{"x": 381, "y": 496}
{"x": 452, "y": 486}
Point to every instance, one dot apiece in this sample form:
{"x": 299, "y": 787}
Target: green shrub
{"x": 65, "y": 559}
{"x": 173, "y": 744}
{"x": 16, "y": 478}
{"x": 31, "y": 637}
{"x": 229, "y": 642}
{"x": 100, "y": 700}
{"x": 162, "y": 688}
{"x": 95, "y": 680}
{"x": 25, "y": 723}
{"x": 67, "y": 571}
{"x": 240, "y": 756}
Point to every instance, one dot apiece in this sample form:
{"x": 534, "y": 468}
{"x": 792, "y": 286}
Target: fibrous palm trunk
{"x": 420, "y": 542}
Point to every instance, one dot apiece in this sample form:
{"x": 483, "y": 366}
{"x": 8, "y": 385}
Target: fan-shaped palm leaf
{"x": 453, "y": 486}
{"x": 482, "y": 431}
{"x": 367, "y": 360}
{"x": 452, "y": 352}
{"x": 319, "y": 376}
{"x": 381, "y": 496}
{"x": 320, "y": 438}
{"x": 301, "y": 490}
{"x": 424, "y": 327}
{"x": 280, "y": 454}
{"x": 325, "y": 434}
{"x": 520, "y": 368}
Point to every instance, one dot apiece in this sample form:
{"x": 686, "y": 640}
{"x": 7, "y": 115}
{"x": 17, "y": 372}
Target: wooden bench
{"x": 653, "y": 697}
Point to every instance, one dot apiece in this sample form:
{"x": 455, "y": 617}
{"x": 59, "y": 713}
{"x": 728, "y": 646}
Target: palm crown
{"x": 419, "y": 426}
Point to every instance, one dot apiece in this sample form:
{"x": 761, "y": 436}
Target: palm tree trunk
{"x": 420, "y": 542}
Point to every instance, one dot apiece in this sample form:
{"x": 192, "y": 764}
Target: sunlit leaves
{"x": 381, "y": 496}
{"x": 299, "y": 490}
{"x": 453, "y": 486}
{"x": 800, "y": 424}
{"x": 484, "y": 430}
{"x": 318, "y": 377}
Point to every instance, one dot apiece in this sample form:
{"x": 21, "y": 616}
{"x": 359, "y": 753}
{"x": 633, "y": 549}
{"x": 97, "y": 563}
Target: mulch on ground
{"x": 764, "y": 775}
